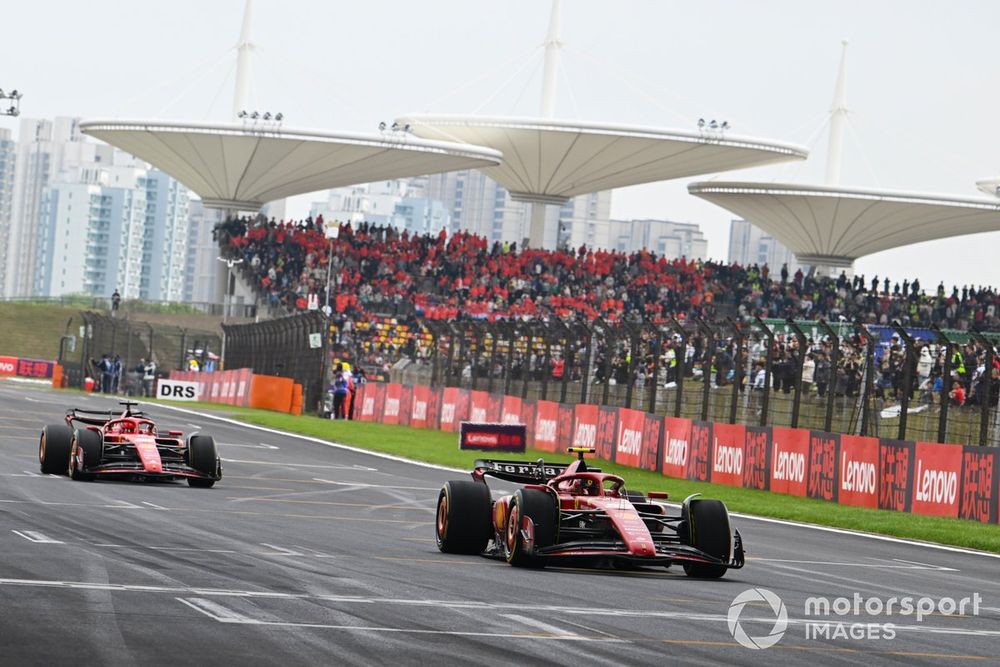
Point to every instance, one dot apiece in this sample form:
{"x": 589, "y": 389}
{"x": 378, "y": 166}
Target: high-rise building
{"x": 8, "y": 160}
{"x": 202, "y": 266}
{"x": 480, "y": 205}
{"x": 45, "y": 149}
{"x": 749, "y": 244}
{"x": 165, "y": 241}
{"x": 665, "y": 238}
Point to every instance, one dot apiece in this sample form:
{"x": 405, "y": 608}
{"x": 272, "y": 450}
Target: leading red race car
{"x": 100, "y": 443}
{"x": 577, "y": 513}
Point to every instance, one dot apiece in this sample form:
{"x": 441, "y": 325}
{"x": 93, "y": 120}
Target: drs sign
{"x": 177, "y": 390}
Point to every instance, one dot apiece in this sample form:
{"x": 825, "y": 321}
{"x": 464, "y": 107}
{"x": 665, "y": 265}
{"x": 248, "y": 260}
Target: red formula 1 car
{"x": 99, "y": 443}
{"x": 576, "y": 513}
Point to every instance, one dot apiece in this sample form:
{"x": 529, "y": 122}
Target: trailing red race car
{"x": 577, "y": 513}
{"x": 99, "y": 443}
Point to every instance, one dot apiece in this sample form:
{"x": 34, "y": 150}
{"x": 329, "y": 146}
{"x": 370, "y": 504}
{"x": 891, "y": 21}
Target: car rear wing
{"x": 522, "y": 472}
{"x": 96, "y": 417}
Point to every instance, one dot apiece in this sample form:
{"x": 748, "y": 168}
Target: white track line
{"x": 36, "y": 537}
{"x": 433, "y": 466}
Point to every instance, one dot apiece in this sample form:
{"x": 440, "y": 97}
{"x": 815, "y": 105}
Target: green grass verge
{"x": 442, "y": 448}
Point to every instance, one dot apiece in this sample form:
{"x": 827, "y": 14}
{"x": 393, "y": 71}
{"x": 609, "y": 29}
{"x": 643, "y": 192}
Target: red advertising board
{"x": 821, "y": 473}
{"x": 8, "y": 365}
{"x": 390, "y": 407}
{"x": 493, "y": 407}
{"x": 727, "y": 454}
{"x": 936, "y": 479}
{"x": 434, "y": 409}
{"x": 607, "y": 420}
{"x": 789, "y": 456}
{"x": 379, "y": 403}
{"x": 565, "y": 425}
{"x": 405, "y": 405}
{"x": 757, "y": 457}
{"x": 652, "y": 432}
{"x": 528, "y": 419}
{"x": 510, "y": 412}
{"x": 584, "y": 425}
{"x": 366, "y": 402}
{"x": 700, "y": 451}
{"x": 547, "y": 426}
{"x": 895, "y": 472}
{"x": 479, "y": 402}
{"x": 418, "y": 406}
{"x": 450, "y": 417}
{"x": 628, "y": 437}
{"x": 676, "y": 438}
{"x": 979, "y": 485}
{"x": 491, "y": 436}
{"x": 857, "y": 473}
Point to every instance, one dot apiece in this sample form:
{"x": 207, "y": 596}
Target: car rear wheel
{"x": 91, "y": 445}
{"x": 709, "y": 531}
{"x": 463, "y": 520}
{"x": 203, "y": 456}
{"x": 541, "y": 508}
{"x": 54, "y": 448}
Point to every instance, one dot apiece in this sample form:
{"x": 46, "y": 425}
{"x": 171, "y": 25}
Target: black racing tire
{"x": 463, "y": 520}
{"x": 543, "y": 510}
{"x": 92, "y": 446}
{"x": 203, "y": 456}
{"x": 710, "y": 532}
{"x": 53, "y": 449}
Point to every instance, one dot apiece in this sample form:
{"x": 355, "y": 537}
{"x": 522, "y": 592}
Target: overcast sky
{"x": 922, "y": 80}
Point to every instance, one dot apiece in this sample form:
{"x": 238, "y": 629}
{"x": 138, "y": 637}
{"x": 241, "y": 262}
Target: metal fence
{"x": 170, "y": 347}
{"x": 288, "y": 346}
{"x": 845, "y": 379}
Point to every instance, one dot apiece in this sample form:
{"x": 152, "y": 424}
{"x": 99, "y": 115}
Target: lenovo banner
{"x": 937, "y": 474}
{"x": 821, "y": 475}
{"x": 607, "y": 420}
{"x": 727, "y": 454}
{"x": 418, "y": 406}
{"x": 757, "y": 457}
{"x": 700, "y": 452}
{"x": 510, "y": 412}
{"x": 390, "y": 409}
{"x": 676, "y": 435}
{"x": 789, "y": 454}
{"x": 895, "y": 472}
{"x": 452, "y": 408}
{"x": 366, "y": 399}
{"x": 480, "y": 406}
{"x": 547, "y": 426}
{"x": 585, "y": 425}
{"x": 979, "y": 485}
{"x": 628, "y": 438}
{"x": 493, "y": 437}
{"x": 8, "y": 365}
{"x": 858, "y": 471}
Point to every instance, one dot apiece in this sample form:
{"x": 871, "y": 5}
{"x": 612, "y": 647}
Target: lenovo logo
{"x": 478, "y": 414}
{"x": 677, "y": 452}
{"x": 936, "y": 486}
{"x": 585, "y": 436}
{"x": 448, "y": 413}
{"x": 857, "y": 476}
{"x": 629, "y": 441}
{"x": 419, "y": 410}
{"x": 7, "y": 367}
{"x": 368, "y": 407}
{"x": 546, "y": 430}
{"x": 790, "y": 466}
{"x": 728, "y": 460}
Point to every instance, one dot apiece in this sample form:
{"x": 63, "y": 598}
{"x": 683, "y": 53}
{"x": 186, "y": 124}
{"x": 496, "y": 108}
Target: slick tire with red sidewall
{"x": 463, "y": 522}
{"x": 543, "y": 510}
{"x": 53, "y": 449}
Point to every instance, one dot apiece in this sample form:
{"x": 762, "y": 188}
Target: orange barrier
{"x": 57, "y": 376}
{"x": 269, "y": 392}
{"x": 296, "y": 408}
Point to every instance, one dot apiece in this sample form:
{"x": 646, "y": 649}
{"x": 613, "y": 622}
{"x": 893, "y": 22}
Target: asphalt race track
{"x": 308, "y": 554}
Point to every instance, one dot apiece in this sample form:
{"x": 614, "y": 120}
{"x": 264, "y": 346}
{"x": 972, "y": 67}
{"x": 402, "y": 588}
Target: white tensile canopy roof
{"x": 833, "y": 226}
{"x": 245, "y": 165}
{"x": 548, "y": 161}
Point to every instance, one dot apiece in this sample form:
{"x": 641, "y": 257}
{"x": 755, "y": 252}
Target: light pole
{"x": 226, "y": 301}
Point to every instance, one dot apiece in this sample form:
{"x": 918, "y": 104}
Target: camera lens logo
{"x": 768, "y": 603}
